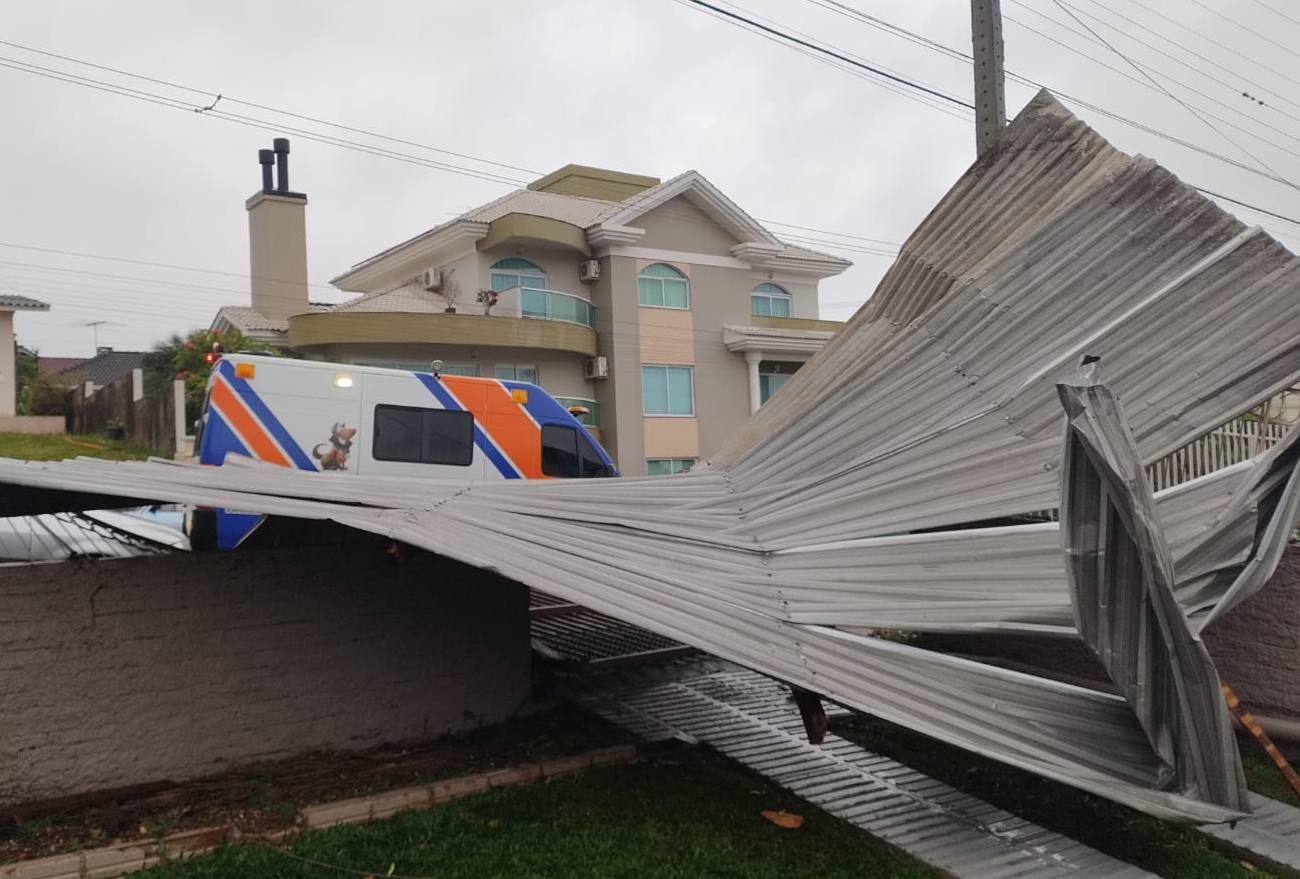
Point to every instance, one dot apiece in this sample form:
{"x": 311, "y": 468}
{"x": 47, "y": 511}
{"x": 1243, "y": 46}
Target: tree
{"x": 183, "y": 358}
{"x": 38, "y": 394}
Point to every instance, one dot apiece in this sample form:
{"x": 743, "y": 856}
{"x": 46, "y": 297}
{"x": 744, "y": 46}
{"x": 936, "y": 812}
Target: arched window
{"x": 769, "y": 300}
{"x": 516, "y": 272}
{"x": 662, "y": 286}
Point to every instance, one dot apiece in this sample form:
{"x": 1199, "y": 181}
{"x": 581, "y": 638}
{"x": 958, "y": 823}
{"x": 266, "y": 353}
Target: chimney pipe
{"x": 281, "y": 145}
{"x": 267, "y": 159}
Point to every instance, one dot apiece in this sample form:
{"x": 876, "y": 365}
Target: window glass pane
{"x": 650, "y": 291}
{"x": 506, "y": 373}
{"x": 460, "y": 369}
{"x": 592, "y": 465}
{"x": 448, "y": 437}
{"x": 532, "y": 282}
{"x": 780, "y": 307}
{"x": 675, "y": 294}
{"x": 397, "y": 434}
{"x": 667, "y": 466}
{"x": 502, "y": 281}
{"x": 423, "y": 436}
{"x": 533, "y": 303}
{"x": 661, "y": 270}
{"x": 679, "y": 390}
{"x": 559, "y": 451}
{"x": 515, "y": 262}
{"x": 768, "y": 385}
{"x": 526, "y": 374}
{"x": 654, "y": 390}
{"x": 760, "y": 305}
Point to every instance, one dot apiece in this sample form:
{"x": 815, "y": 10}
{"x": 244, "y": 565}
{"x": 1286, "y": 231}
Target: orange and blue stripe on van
{"x": 513, "y": 447}
{"x": 239, "y": 421}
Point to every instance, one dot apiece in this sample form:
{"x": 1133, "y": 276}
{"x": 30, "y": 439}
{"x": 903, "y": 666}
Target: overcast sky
{"x": 647, "y": 86}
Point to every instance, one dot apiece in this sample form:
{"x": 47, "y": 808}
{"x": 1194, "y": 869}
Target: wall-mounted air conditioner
{"x": 431, "y": 279}
{"x": 589, "y": 270}
{"x": 596, "y": 367}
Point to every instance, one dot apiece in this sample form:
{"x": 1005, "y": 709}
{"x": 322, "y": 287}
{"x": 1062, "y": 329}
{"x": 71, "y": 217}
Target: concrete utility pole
{"x": 990, "y": 84}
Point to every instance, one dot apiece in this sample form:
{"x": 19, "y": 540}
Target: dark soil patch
{"x": 264, "y": 797}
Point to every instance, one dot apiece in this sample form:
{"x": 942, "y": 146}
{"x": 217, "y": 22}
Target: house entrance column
{"x": 752, "y": 359}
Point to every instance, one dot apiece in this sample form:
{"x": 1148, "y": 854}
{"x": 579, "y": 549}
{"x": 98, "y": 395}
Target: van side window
{"x": 592, "y": 465}
{"x": 570, "y": 455}
{"x": 559, "y": 451}
{"x": 424, "y": 436}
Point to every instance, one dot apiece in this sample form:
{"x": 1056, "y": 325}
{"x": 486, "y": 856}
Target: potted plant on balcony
{"x": 488, "y": 298}
{"x": 115, "y": 429}
{"x": 450, "y": 292}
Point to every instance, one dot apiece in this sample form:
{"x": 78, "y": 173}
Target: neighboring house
{"x": 9, "y": 304}
{"x": 100, "y": 370}
{"x": 662, "y": 308}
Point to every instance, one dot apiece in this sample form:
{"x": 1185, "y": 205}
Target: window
{"x": 424, "y": 436}
{"x": 769, "y": 300}
{"x": 516, "y": 272}
{"x": 768, "y": 384}
{"x": 568, "y": 454}
{"x": 666, "y": 390}
{"x": 662, "y": 286}
{"x": 460, "y": 369}
{"x": 517, "y": 372}
{"x": 592, "y": 416}
{"x": 666, "y": 466}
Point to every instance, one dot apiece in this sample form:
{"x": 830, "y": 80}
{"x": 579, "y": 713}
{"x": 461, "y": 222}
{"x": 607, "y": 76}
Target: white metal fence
{"x": 1230, "y": 444}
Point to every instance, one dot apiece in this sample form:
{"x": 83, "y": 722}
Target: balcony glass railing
{"x": 592, "y": 418}
{"x": 553, "y": 305}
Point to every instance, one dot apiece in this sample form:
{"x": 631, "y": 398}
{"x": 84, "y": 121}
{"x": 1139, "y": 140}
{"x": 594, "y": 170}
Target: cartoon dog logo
{"x": 333, "y": 455}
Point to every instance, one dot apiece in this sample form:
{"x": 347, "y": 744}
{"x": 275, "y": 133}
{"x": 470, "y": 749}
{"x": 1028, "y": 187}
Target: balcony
{"x": 520, "y": 318}
{"x": 545, "y": 305}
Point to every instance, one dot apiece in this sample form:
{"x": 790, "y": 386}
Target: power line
{"x": 782, "y": 35}
{"x": 1140, "y": 126}
{"x": 1197, "y": 55}
{"x": 234, "y": 100}
{"x": 1278, "y": 12}
{"x": 1140, "y": 69}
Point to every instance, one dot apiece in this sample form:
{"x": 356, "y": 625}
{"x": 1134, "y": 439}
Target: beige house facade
{"x": 660, "y": 308}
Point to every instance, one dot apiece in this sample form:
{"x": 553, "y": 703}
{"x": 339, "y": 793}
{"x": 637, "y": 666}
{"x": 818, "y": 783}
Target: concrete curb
{"x": 103, "y": 863}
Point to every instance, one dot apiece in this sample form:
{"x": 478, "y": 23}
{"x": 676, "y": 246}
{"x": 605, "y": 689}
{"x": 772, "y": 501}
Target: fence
{"x": 155, "y": 422}
{"x": 1230, "y": 444}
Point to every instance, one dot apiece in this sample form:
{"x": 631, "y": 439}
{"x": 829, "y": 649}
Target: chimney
{"x": 277, "y": 239}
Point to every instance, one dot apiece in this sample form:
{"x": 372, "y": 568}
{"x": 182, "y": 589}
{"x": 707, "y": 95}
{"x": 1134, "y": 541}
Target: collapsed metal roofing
{"x": 852, "y": 500}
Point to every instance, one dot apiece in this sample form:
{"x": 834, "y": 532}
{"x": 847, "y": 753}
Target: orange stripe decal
{"x": 232, "y": 409}
{"x": 514, "y": 431}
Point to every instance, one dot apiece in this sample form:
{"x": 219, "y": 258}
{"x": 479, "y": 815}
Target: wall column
{"x": 752, "y": 359}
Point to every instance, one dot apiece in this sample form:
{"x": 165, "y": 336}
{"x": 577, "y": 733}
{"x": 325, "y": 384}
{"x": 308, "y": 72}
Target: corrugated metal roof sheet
{"x": 934, "y": 408}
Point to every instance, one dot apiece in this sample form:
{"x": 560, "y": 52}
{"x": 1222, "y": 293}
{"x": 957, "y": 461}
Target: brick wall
{"x": 121, "y": 671}
{"x": 1257, "y": 645}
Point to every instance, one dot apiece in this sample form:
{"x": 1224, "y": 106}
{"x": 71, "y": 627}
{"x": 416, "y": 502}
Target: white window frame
{"x": 516, "y": 367}
{"x": 521, "y": 275}
{"x": 667, "y": 366}
{"x": 782, "y": 296}
{"x": 672, "y": 463}
{"x": 641, "y": 276}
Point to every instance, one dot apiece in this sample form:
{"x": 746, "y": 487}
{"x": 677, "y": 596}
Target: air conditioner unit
{"x": 589, "y": 270}
{"x": 596, "y": 367}
{"x": 431, "y": 279}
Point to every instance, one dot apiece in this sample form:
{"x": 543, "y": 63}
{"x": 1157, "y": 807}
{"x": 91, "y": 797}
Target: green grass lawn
{"x": 1171, "y": 850}
{"x": 57, "y": 446}
{"x": 692, "y": 814}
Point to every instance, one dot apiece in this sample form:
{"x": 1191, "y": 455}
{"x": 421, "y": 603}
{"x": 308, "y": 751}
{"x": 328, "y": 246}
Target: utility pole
{"x": 990, "y": 84}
